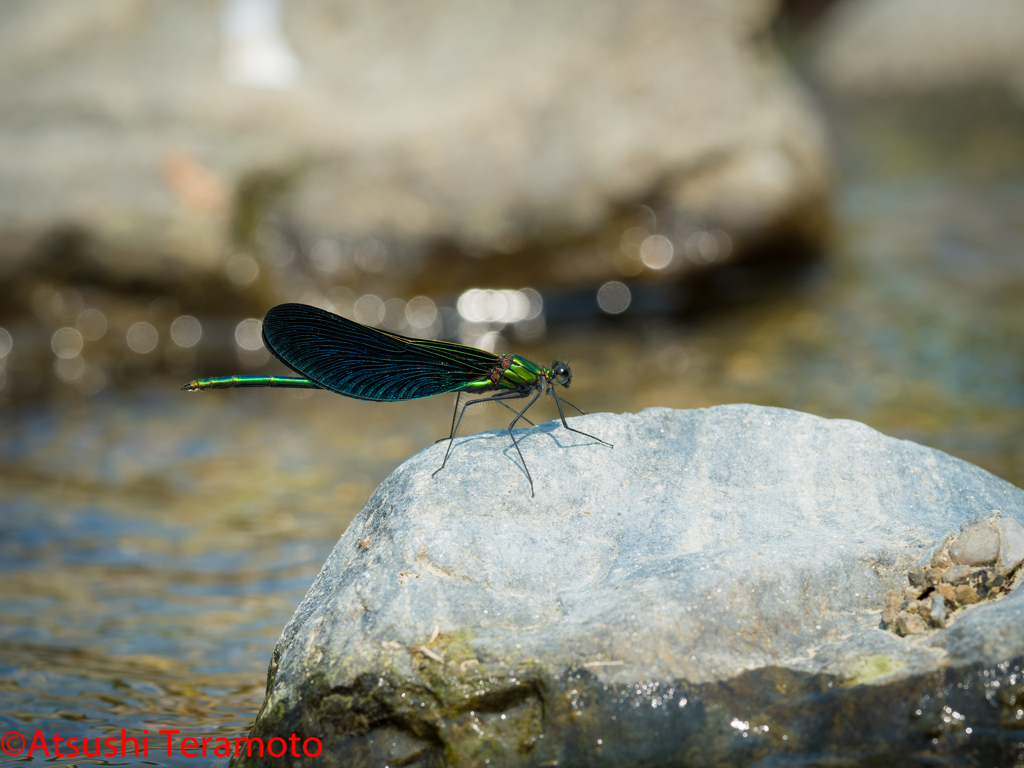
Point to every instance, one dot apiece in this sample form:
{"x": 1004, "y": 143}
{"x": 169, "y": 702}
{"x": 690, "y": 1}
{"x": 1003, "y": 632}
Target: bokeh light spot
{"x": 420, "y": 312}
{"x": 394, "y": 314}
{"x": 614, "y": 297}
{"x": 66, "y": 342}
{"x": 92, "y": 381}
{"x": 69, "y": 369}
{"x": 249, "y": 334}
{"x": 67, "y": 303}
{"x": 328, "y": 257}
{"x": 632, "y": 239}
{"x": 92, "y": 324}
{"x": 142, "y": 338}
{"x": 656, "y": 252}
{"x": 6, "y": 343}
{"x": 186, "y": 331}
{"x": 487, "y": 306}
{"x": 372, "y": 256}
{"x": 242, "y": 269}
{"x": 342, "y": 300}
{"x": 709, "y": 248}
{"x": 368, "y": 310}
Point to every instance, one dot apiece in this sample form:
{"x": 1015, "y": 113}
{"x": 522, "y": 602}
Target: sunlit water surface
{"x": 153, "y": 545}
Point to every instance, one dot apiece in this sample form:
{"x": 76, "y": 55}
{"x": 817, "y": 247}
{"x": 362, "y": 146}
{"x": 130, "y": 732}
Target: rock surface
{"x": 155, "y": 128}
{"x": 709, "y": 591}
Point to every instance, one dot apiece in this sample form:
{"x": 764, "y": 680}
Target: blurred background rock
{"x": 211, "y": 160}
{"x": 914, "y": 47}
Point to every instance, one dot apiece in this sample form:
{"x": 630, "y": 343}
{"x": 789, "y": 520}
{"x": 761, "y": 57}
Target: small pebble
{"x": 941, "y": 560}
{"x": 978, "y": 545}
{"x": 956, "y": 574}
{"x": 910, "y": 624}
{"x": 916, "y": 577}
{"x": 1011, "y": 544}
{"x": 938, "y": 610}
{"x": 966, "y": 594}
{"x": 947, "y": 592}
{"x": 893, "y": 600}
{"x": 912, "y": 593}
{"x": 933, "y": 575}
{"x": 986, "y": 581}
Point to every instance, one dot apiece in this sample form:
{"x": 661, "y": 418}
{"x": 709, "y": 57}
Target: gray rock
{"x": 919, "y": 46}
{"x": 474, "y": 122}
{"x": 938, "y": 610}
{"x": 712, "y": 586}
{"x": 978, "y": 545}
{"x": 1011, "y": 544}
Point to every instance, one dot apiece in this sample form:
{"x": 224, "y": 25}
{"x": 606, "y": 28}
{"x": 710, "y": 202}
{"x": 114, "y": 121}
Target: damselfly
{"x": 342, "y": 356}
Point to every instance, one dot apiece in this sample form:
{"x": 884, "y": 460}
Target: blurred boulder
{"x": 877, "y": 47}
{"x": 160, "y": 133}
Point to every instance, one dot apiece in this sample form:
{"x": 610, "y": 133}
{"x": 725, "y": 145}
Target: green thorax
{"x": 512, "y": 372}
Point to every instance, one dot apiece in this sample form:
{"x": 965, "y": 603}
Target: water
{"x": 153, "y": 544}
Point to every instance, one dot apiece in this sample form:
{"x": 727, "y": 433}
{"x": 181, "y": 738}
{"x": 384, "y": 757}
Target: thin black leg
{"x": 516, "y": 442}
{"x": 506, "y": 405}
{"x": 498, "y": 400}
{"x": 458, "y": 397}
{"x": 584, "y": 413}
{"x": 558, "y": 402}
{"x": 517, "y": 395}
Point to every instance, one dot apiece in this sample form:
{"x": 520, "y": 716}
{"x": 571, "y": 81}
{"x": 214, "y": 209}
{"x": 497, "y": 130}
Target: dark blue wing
{"x": 365, "y": 363}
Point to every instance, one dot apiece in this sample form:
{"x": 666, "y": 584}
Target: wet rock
{"x": 978, "y": 545}
{"x": 486, "y": 125}
{"x": 574, "y": 626}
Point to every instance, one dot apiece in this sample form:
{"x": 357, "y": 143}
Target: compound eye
{"x": 562, "y": 374}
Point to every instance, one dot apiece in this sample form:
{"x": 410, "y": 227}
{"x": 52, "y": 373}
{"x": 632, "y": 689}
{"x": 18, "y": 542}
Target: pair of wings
{"x": 365, "y": 363}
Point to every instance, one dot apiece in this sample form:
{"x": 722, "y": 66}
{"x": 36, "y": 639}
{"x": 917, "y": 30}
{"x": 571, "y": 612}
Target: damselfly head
{"x": 562, "y": 373}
